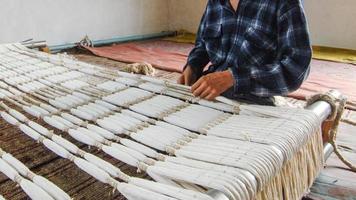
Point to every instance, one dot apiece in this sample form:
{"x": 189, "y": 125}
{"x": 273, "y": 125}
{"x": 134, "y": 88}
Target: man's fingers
{"x": 199, "y": 90}
{"x": 211, "y": 96}
{"x": 197, "y": 84}
{"x": 205, "y": 93}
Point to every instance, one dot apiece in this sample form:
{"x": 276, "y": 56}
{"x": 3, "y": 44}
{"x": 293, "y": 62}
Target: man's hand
{"x": 188, "y": 77}
{"x": 212, "y": 85}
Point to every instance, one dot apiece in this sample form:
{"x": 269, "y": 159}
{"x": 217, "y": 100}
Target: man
{"x": 257, "y": 49}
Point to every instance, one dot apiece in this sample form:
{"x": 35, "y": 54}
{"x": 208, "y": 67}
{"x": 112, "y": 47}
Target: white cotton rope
{"x": 236, "y": 154}
{"x": 289, "y": 135}
{"x": 111, "y": 86}
{"x": 62, "y": 124}
{"x": 127, "y": 97}
{"x": 204, "y": 178}
{"x": 34, "y": 191}
{"x": 247, "y": 178}
{"x": 120, "y": 158}
{"x": 46, "y": 185}
{"x": 133, "y": 192}
{"x": 136, "y": 161}
{"x": 42, "y": 182}
{"x": 102, "y": 175}
{"x": 169, "y": 190}
{"x": 193, "y": 117}
{"x": 140, "y": 148}
{"x": 234, "y": 185}
{"x": 127, "y": 155}
{"x": 187, "y": 96}
{"x": 171, "y": 89}
{"x": 157, "y": 106}
{"x": 31, "y": 189}
{"x": 165, "y": 180}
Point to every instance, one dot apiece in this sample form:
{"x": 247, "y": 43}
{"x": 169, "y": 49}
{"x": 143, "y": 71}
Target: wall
{"x": 332, "y": 23}
{"x": 66, "y": 21}
{"x": 186, "y": 14}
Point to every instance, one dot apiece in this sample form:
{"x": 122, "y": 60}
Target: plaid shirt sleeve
{"x": 291, "y": 67}
{"x": 198, "y": 57}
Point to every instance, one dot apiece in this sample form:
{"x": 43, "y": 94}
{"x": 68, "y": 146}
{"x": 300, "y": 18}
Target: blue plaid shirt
{"x": 265, "y": 44}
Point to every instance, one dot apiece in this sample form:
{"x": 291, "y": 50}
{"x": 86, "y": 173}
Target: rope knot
{"x": 327, "y": 97}
{"x": 338, "y": 107}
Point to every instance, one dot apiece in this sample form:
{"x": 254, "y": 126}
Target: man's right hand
{"x": 188, "y": 77}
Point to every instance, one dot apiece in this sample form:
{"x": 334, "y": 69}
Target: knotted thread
{"x": 140, "y": 68}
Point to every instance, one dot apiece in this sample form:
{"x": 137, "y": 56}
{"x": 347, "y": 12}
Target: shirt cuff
{"x": 242, "y": 84}
{"x": 198, "y": 71}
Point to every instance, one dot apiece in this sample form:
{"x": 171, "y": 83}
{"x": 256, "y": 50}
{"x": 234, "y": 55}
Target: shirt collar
{"x": 226, "y": 5}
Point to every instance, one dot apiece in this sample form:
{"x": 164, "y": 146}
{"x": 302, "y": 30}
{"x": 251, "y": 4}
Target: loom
{"x": 190, "y": 148}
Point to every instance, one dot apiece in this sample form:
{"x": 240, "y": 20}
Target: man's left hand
{"x": 212, "y": 85}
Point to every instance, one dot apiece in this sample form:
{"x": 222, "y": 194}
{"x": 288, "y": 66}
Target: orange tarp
{"x": 327, "y": 75}
{"x": 164, "y": 55}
